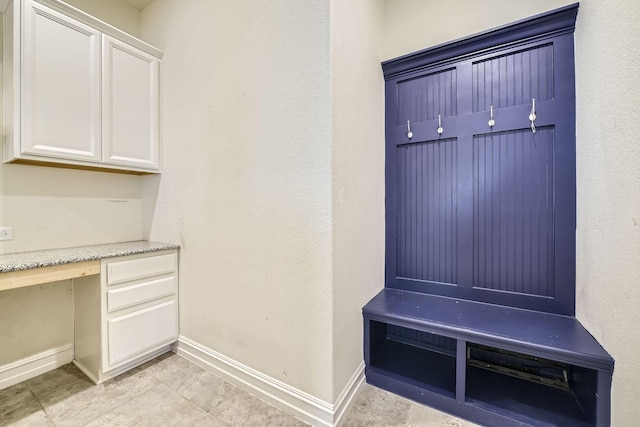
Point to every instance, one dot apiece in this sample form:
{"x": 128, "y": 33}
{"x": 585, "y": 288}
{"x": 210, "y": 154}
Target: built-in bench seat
{"x": 493, "y": 364}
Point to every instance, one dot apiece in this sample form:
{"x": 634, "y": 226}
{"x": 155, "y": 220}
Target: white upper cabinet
{"x": 129, "y": 105}
{"x": 60, "y": 87}
{"x": 78, "y": 92}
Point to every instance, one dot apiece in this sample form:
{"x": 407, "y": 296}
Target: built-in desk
{"x": 39, "y": 275}
{"x": 125, "y": 308}
{"x": 22, "y": 269}
{"x": 74, "y": 262}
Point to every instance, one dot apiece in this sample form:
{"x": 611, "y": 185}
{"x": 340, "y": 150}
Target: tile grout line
{"x": 200, "y": 409}
{"x": 189, "y": 401}
{"x": 38, "y": 398}
{"x": 44, "y": 411}
{"x": 41, "y": 394}
{"x": 236, "y": 391}
{"x": 102, "y": 415}
{"x": 161, "y": 377}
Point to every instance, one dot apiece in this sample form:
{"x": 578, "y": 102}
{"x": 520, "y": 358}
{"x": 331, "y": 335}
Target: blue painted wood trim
{"x": 552, "y": 336}
{"x": 476, "y": 414}
{"x": 461, "y": 371}
{"x": 556, "y": 22}
{"x": 603, "y": 410}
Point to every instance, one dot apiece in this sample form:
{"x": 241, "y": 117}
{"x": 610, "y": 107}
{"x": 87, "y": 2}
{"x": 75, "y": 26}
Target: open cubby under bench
{"x": 492, "y": 364}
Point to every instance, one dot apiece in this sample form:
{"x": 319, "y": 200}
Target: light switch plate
{"x": 6, "y": 233}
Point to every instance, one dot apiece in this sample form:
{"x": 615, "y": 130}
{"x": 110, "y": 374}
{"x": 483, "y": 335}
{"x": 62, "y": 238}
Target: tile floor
{"x": 171, "y": 391}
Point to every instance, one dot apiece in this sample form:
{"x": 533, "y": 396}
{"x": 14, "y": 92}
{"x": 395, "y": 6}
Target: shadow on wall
{"x": 150, "y": 188}
{"x": 53, "y": 207}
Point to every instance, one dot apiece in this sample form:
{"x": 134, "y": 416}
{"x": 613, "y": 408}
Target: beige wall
{"x": 357, "y": 90}
{"x": 246, "y": 188}
{"x": 608, "y": 174}
{"x": 273, "y": 179}
{"x": 115, "y": 12}
{"x": 35, "y": 319}
{"x": 412, "y": 25}
{"x": 608, "y": 156}
{"x": 51, "y": 208}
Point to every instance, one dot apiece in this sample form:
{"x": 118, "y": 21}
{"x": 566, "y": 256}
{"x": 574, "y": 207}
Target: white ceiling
{"x": 138, "y": 4}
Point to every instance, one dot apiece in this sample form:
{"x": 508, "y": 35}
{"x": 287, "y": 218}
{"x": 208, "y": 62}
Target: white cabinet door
{"x": 130, "y": 106}
{"x": 61, "y": 86}
{"x": 142, "y": 331}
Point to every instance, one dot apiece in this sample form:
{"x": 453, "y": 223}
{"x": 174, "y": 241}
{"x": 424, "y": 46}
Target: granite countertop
{"x": 27, "y": 260}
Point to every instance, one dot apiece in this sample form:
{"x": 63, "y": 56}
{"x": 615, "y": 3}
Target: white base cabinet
{"x": 127, "y": 315}
{"x": 78, "y": 92}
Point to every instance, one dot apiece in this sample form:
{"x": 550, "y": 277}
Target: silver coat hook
{"x": 491, "y": 121}
{"x": 532, "y": 116}
{"x": 440, "y": 130}
{"x": 409, "y": 133}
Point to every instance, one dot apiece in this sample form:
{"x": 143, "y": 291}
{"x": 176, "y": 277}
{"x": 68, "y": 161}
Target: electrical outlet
{"x": 6, "y": 233}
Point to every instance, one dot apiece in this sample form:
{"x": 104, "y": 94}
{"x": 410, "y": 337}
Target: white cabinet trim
{"x": 102, "y": 26}
{"x": 98, "y": 152}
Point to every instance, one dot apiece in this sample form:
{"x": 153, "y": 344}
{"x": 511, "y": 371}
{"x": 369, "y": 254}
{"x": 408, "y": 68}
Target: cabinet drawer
{"x": 147, "y": 291}
{"x": 131, "y": 335}
{"x": 139, "y": 268}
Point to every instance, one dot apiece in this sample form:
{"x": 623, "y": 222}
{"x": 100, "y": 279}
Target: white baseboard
{"x": 347, "y": 397}
{"x": 302, "y": 405}
{"x": 100, "y": 377}
{"x": 32, "y": 366}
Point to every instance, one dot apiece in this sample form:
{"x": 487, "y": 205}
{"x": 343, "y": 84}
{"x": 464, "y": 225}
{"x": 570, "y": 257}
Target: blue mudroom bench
{"x": 477, "y": 317}
{"x": 492, "y": 364}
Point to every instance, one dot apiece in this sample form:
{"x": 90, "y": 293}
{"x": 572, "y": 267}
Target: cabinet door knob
{"x": 440, "y": 129}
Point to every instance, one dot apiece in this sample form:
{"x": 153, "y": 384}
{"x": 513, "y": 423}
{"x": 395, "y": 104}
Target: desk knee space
{"x": 494, "y": 365}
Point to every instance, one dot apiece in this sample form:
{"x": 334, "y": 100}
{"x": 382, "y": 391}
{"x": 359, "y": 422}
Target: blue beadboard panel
{"x": 424, "y": 97}
{"x": 427, "y": 180}
{"x": 513, "y": 239}
{"x": 421, "y": 338}
{"x": 479, "y": 212}
{"x": 513, "y": 79}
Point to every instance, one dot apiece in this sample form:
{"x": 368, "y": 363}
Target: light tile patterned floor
{"x": 171, "y": 391}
